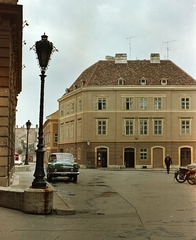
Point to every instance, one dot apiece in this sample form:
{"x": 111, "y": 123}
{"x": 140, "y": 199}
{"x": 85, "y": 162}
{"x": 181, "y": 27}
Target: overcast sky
{"x": 85, "y": 31}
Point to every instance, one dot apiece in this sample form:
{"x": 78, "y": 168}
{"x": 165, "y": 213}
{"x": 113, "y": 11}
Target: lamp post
{"x": 28, "y": 125}
{"x": 43, "y": 49}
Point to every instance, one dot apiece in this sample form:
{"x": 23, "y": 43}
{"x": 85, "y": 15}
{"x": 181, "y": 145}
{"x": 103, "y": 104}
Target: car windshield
{"x": 64, "y": 157}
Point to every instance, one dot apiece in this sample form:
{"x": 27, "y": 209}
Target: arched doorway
{"x": 129, "y": 157}
{"x": 185, "y": 156}
{"x": 102, "y": 157}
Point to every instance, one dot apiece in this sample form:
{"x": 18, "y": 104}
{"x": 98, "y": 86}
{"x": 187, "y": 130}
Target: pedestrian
{"x": 168, "y": 162}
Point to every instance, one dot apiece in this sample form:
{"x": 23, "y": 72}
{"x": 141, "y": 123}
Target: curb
{"x": 60, "y": 206}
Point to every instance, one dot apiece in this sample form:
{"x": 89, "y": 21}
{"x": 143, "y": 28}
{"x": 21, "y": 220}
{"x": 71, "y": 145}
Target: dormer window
{"x": 121, "y": 81}
{"x": 143, "y": 81}
{"x": 163, "y": 81}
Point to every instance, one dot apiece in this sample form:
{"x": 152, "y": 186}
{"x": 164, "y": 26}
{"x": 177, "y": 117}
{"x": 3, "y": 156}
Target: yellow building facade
{"x": 129, "y": 113}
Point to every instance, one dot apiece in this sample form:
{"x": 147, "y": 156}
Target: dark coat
{"x": 168, "y": 161}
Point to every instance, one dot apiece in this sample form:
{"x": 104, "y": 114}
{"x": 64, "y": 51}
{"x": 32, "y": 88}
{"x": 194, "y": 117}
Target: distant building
{"x": 21, "y": 141}
{"x": 10, "y": 83}
{"x": 130, "y": 113}
{"x": 50, "y": 129}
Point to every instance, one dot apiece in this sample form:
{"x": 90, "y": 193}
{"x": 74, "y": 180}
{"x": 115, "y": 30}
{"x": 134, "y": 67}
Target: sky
{"x": 85, "y": 31}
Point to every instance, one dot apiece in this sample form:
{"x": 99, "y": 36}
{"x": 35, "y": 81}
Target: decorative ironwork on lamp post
{"x": 43, "y": 49}
{"x": 28, "y": 125}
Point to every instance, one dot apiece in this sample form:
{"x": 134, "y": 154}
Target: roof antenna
{"x": 130, "y": 45}
{"x": 167, "y": 48}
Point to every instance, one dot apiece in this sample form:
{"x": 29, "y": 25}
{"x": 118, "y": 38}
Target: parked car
{"x": 62, "y": 165}
{"x": 17, "y": 159}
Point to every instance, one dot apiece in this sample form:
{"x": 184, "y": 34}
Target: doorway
{"x": 185, "y": 156}
{"x": 157, "y": 157}
{"x": 129, "y": 157}
{"x": 102, "y": 157}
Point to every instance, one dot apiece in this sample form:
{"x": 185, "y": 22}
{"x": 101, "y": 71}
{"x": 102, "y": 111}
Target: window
{"x": 157, "y": 127}
{"x": 72, "y": 129}
{"x": 62, "y": 111}
{"x": 143, "y": 127}
{"x": 56, "y": 137}
{"x": 79, "y": 154}
{"x": 101, "y": 103}
{"x": 67, "y": 109}
{"x": 62, "y": 132}
{"x": 79, "y": 105}
{"x": 79, "y": 128}
{"x": 163, "y": 82}
{"x": 157, "y": 103}
{"x": 121, "y": 81}
{"x": 143, "y": 81}
{"x": 143, "y": 103}
{"x": 72, "y": 107}
{"x": 129, "y": 127}
{"x": 67, "y": 130}
{"x": 143, "y": 153}
{"x": 185, "y": 103}
{"x": 101, "y": 127}
{"x": 185, "y": 127}
{"x": 129, "y": 104}
{"x": 71, "y": 151}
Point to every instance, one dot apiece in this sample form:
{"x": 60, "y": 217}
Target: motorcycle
{"x": 180, "y": 174}
{"x": 191, "y": 176}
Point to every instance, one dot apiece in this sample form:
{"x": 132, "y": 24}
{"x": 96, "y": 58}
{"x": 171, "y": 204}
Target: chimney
{"x": 107, "y": 57}
{"x": 121, "y": 58}
{"x": 155, "y": 58}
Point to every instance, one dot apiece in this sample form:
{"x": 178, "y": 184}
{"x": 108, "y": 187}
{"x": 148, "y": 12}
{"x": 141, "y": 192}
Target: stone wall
{"x": 10, "y": 84}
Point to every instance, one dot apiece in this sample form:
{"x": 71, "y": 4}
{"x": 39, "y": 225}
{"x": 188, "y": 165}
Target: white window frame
{"x": 143, "y": 154}
{"x": 129, "y": 103}
{"x": 185, "y": 126}
{"x": 102, "y": 127}
{"x": 185, "y": 103}
{"x": 143, "y": 126}
{"x": 143, "y": 103}
{"x": 157, "y": 103}
{"x": 101, "y": 103}
{"x": 129, "y": 126}
{"x": 157, "y": 127}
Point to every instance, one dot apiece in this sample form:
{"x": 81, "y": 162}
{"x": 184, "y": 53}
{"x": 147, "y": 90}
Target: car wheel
{"x": 75, "y": 178}
{"x": 49, "y": 178}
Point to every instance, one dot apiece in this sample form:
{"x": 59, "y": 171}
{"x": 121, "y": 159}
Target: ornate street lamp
{"x": 43, "y": 49}
{"x": 28, "y": 125}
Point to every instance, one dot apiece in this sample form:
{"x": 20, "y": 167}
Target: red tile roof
{"x": 107, "y": 73}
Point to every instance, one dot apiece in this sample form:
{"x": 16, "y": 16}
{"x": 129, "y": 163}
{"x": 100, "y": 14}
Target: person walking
{"x": 168, "y": 162}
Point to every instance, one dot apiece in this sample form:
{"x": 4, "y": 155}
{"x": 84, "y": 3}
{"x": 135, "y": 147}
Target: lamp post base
{"x": 39, "y": 183}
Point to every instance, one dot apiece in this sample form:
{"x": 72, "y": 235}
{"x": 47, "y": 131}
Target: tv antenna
{"x": 167, "y": 47}
{"x": 130, "y": 45}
